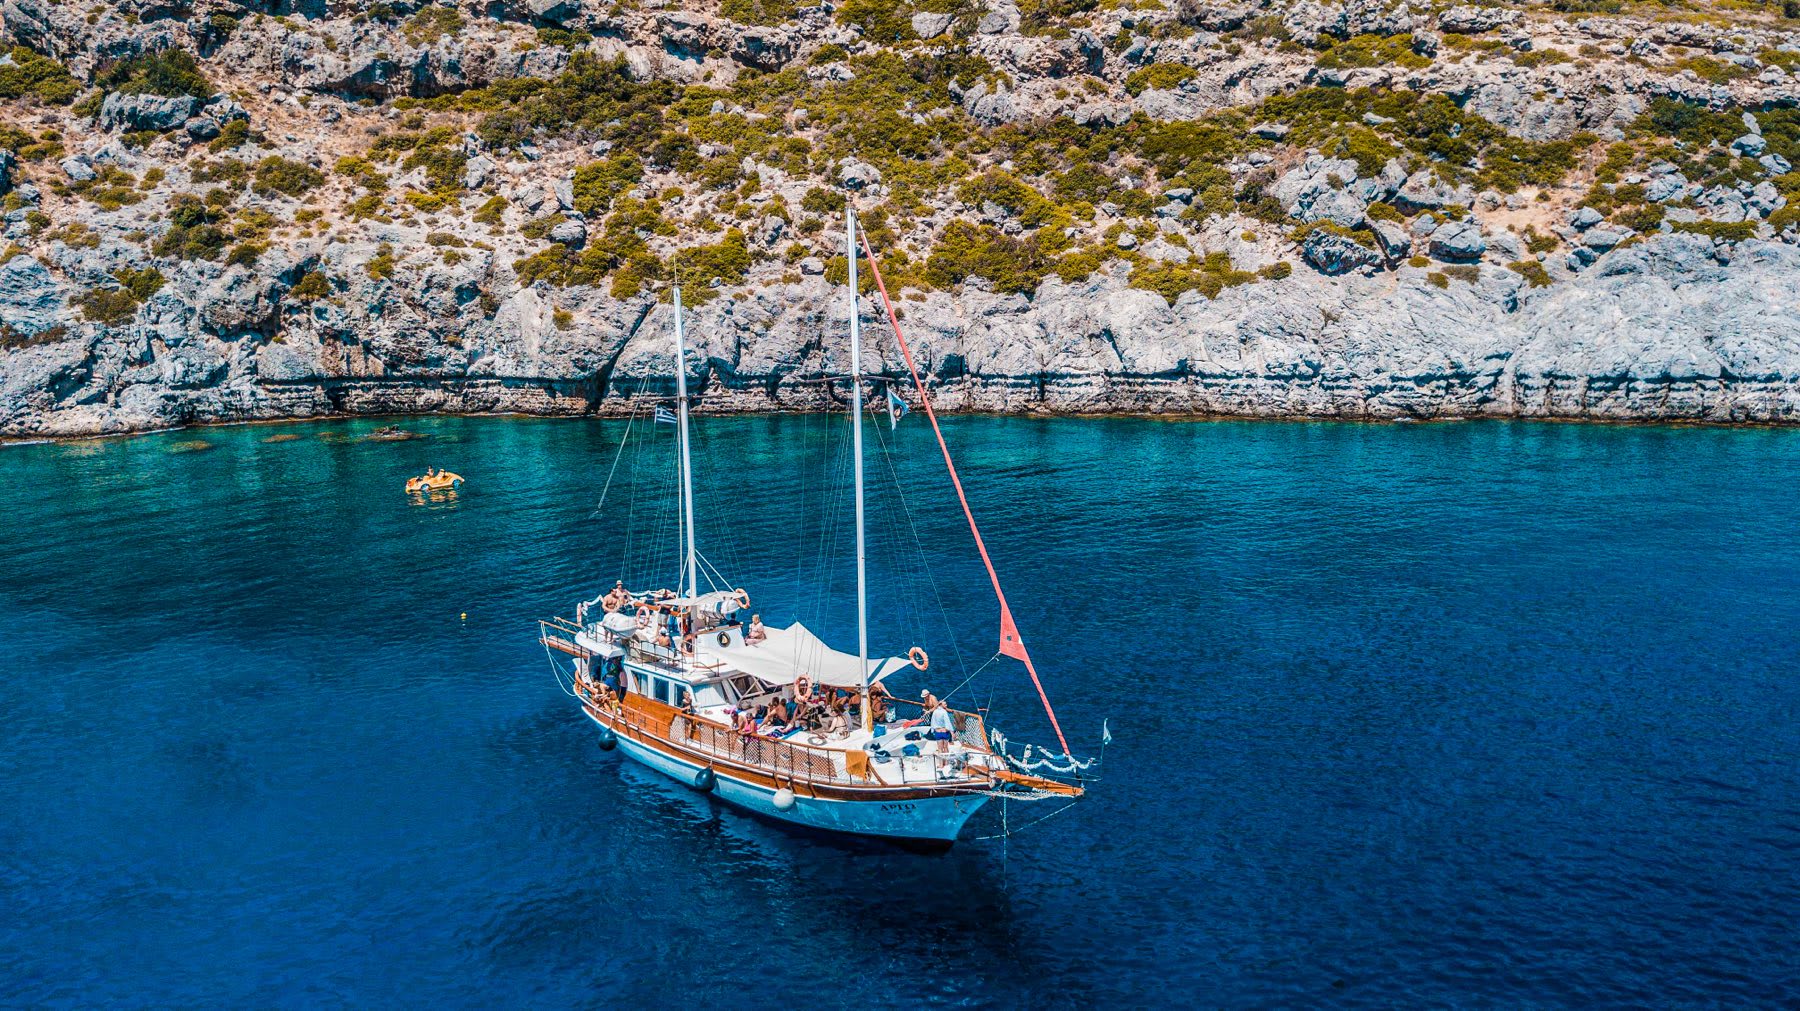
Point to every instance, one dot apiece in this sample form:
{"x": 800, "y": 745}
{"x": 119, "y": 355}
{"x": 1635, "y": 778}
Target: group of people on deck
{"x": 821, "y": 709}
{"x": 677, "y": 630}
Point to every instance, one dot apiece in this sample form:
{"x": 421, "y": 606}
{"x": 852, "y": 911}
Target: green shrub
{"x": 1277, "y": 270}
{"x": 194, "y": 232}
{"x": 110, "y": 189}
{"x": 230, "y": 171}
{"x": 562, "y": 319}
{"x": 822, "y": 201}
{"x": 965, "y": 250}
{"x": 537, "y": 228}
{"x": 40, "y": 77}
{"x": 363, "y": 172}
{"x": 1532, "y": 271}
{"x": 235, "y": 133}
{"x": 759, "y": 12}
{"x": 381, "y": 265}
{"x": 727, "y": 260}
{"x": 1382, "y": 211}
{"x": 1438, "y": 280}
{"x": 276, "y": 174}
{"x": 1373, "y": 51}
{"x": 595, "y": 96}
{"x": 1159, "y": 77}
{"x": 489, "y": 213}
{"x": 1468, "y": 273}
{"x": 141, "y": 283}
{"x": 245, "y": 254}
{"x": 880, "y": 21}
{"x": 1713, "y": 71}
{"x": 311, "y": 287}
{"x": 1211, "y": 275}
{"x": 432, "y": 24}
{"x": 166, "y": 72}
{"x": 1730, "y": 231}
{"x": 1010, "y": 194}
{"x": 597, "y": 184}
{"x": 564, "y": 37}
{"x": 110, "y": 306}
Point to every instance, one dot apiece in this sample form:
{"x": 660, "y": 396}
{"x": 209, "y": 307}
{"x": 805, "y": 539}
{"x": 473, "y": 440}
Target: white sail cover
{"x": 790, "y": 653}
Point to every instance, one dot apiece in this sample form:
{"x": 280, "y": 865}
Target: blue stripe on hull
{"x": 938, "y": 819}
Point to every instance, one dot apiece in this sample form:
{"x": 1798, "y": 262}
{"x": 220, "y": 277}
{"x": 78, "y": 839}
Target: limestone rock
{"x": 1423, "y": 190}
{"x": 1331, "y": 253}
{"x": 146, "y": 112}
{"x": 1458, "y": 241}
{"x": 930, "y": 26}
{"x": 1467, "y": 20}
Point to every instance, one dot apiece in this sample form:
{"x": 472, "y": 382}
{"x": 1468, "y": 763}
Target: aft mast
{"x": 687, "y": 464}
{"x": 856, "y": 443}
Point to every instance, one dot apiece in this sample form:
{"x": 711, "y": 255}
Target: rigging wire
{"x": 918, "y": 542}
{"x": 623, "y": 440}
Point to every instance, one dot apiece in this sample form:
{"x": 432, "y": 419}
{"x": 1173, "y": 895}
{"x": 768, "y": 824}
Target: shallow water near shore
{"x": 1484, "y": 713}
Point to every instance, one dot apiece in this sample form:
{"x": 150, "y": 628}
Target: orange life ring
{"x": 643, "y": 616}
{"x": 743, "y": 599}
{"x": 918, "y": 658}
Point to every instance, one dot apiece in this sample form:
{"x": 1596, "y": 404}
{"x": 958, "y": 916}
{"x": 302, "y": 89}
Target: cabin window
{"x": 668, "y": 692}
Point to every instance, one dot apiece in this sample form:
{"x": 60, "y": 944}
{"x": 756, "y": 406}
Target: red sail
{"x": 1011, "y": 644}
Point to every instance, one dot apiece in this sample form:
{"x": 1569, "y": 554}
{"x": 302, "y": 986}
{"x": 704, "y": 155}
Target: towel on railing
{"x": 856, "y": 763}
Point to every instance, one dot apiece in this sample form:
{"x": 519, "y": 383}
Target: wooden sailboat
{"x": 777, "y": 722}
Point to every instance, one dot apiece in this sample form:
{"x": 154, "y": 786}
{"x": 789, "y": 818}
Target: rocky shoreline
{"x": 285, "y": 225}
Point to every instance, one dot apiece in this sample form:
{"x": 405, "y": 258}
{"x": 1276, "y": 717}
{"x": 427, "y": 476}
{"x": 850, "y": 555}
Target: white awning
{"x": 718, "y": 602}
{"x": 790, "y": 653}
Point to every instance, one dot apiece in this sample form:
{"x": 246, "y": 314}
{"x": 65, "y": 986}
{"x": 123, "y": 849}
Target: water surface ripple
{"x": 1474, "y": 714}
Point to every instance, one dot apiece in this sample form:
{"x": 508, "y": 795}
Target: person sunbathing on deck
{"x": 755, "y": 633}
{"x": 835, "y": 723}
{"x": 778, "y": 720}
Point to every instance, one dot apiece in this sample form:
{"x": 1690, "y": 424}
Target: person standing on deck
{"x": 942, "y": 726}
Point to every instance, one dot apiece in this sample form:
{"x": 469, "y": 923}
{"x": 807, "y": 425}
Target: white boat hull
{"x": 932, "y": 819}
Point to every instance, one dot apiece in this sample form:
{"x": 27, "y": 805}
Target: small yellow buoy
{"x": 465, "y": 616}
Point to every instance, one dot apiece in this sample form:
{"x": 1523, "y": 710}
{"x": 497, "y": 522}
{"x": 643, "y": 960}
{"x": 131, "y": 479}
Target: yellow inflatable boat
{"x": 441, "y": 480}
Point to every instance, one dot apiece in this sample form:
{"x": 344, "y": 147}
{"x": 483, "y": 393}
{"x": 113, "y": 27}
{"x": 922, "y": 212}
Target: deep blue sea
{"x": 1489, "y": 715}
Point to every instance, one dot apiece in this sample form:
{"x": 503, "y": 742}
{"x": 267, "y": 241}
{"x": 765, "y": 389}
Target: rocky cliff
{"x": 227, "y": 211}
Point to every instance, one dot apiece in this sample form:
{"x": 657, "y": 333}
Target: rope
{"x": 1011, "y": 643}
{"x": 1005, "y": 831}
{"x": 971, "y": 677}
{"x": 556, "y": 669}
{"x": 623, "y": 440}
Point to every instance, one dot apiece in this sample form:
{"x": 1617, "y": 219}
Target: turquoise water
{"x": 1485, "y": 714}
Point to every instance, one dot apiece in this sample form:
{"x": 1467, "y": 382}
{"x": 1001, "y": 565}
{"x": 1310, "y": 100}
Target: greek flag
{"x": 665, "y": 415}
{"x": 896, "y": 409}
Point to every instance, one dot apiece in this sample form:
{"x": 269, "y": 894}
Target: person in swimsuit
{"x": 755, "y": 632}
